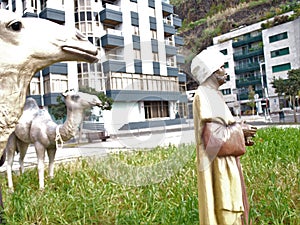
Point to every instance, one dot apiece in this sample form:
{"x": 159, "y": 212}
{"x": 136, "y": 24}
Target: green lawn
{"x": 156, "y": 187}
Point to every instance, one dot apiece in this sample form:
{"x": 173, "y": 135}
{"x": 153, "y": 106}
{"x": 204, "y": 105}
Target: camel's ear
{"x": 65, "y": 93}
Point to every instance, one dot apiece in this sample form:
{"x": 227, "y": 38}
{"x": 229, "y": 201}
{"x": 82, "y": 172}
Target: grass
{"x": 156, "y": 187}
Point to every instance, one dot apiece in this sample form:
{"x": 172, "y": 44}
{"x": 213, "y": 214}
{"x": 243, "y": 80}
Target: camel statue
{"x": 27, "y": 46}
{"x": 36, "y": 127}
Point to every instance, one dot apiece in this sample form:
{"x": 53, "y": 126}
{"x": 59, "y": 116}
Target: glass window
{"x": 34, "y": 87}
{"x": 278, "y": 37}
{"x": 224, "y": 51}
{"x": 280, "y": 52}
{"x": 155, "y": 56}
{"x": 137, "y": 54}
{"x": 136, "y": 30}
{"x": 282, "y": 67}
{"x": 153, "y": 34}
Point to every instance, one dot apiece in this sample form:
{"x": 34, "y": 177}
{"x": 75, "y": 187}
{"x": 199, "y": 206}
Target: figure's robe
{"x": 220, "y": 180}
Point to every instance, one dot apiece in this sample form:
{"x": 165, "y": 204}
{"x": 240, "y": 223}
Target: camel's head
{"x": 27, "y": 46}
{"x": 80, "y": 100}
{"x": 31, "y": 44}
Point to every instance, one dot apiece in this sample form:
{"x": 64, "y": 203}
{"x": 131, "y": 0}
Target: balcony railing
{"x": 246, "y": 82}
{"x": 246, "y": 68}
{"x": 115, "y": 57}
{"x": 248, "y": 40}
{"x": 245, "y": 95}
{"x": 248, "y": 54}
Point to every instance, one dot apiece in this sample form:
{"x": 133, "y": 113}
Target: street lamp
{"x": 237, "y": 104}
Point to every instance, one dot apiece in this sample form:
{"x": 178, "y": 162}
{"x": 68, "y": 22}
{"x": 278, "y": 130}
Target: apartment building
{"x": 256, "y": 54}
{"x": 140, "y": 58}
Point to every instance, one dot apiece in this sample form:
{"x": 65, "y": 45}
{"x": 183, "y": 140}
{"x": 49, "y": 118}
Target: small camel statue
{"x": 27, "y": 46}
{"x": 36, "y": 127}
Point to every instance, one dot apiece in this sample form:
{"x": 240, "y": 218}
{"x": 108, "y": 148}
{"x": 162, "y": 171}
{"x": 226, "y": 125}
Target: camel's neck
{"x": 69, "y": 128}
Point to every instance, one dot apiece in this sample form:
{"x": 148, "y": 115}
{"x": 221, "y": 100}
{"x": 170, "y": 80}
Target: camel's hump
{"x": 30, "y": 104}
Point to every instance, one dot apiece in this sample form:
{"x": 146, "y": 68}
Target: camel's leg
{"x": 51, "y": 156}
{"x": 10, "y": 153}
{"x": 22, "y": 147}
{"x": 40, "y": 152}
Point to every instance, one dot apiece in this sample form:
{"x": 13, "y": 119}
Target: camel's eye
{"x": 15, "y": 25}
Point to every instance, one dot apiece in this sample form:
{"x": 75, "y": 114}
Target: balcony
{"x": 180, "y": 59}
{"x": 151, "y": 3}
{"x": 171, "y": 50}
{"x": 154, "y": 45}
{"x": 172, "y": 71}
{"x": 134, "y": 18}
{"x": 245, "y": 95}
{"x": 167, "y": 9}
{"x": 182, "y": 77}
{"x": 55, "y": 15}
{"x": 249, "y": 81}
{"x": 152, "y": 21}
{"x": 138, "y": 66}
{"x": 156, "y": 68}
{"x": 169, "y": 30}
{"x": 111, "y": 15}
{"x": 112, "y": 65}
{"x": 112, "y": 39}
{"x": 177, "y": 22}
{"x": 248, "y": 54}
{"x": 51, "y": 98}
{"x": 178, "y": 41}
{"x": 246, "y": 41}
{"x": 57, "y": 68}
{"x": 247, "y": 68}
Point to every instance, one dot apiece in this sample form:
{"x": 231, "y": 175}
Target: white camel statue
{"x": 36, "y": 127}
{"x": 27, "y": 46}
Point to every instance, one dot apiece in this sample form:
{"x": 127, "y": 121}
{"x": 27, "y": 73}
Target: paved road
{"x": 143, "y": 139}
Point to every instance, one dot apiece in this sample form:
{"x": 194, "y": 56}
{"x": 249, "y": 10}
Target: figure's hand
{"x": 249, "y": 132}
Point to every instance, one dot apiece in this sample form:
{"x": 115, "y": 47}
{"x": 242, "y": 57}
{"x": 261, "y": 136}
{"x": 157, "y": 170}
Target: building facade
{"x": 256, "y": 55}
{"x": 140, "y": 58}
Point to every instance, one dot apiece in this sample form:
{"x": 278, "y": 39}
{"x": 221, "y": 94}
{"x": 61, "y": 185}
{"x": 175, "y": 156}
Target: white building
{"x": 140, "y": 61}
{"x": 255, "y": 56}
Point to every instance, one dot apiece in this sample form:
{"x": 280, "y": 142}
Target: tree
{"x": 251, "y": 98}
{"x": 106, "y": 101}
{"x": 59, "y": 111}
{"x": 289, "y": 87}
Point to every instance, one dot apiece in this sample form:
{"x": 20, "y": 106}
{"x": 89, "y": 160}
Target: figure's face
{"x": 221, "y": 75}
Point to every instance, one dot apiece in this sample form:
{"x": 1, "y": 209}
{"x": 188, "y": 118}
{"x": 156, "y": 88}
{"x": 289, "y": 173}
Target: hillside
{"x": 205, "y": 19}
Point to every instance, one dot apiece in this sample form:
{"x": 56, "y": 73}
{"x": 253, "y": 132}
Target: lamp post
{"x": 237, "y": 104}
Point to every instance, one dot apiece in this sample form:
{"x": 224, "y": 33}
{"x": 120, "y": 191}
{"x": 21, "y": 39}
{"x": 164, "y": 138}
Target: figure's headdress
{"x": 206, "y": 63}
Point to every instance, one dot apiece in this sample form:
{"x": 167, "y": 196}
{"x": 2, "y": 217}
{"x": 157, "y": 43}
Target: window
{"x": 153, "y": 34}
{"x": 137, "y": 54}
{"x": 280, "y": 52}
{"x": 136, "y": 30}
{"x": 34, "y": 88}
{"x": 278, "y": 37}
{"x": 170, "y": 61}
{"x": 155, "y": 56}
{"x": 224, "y": 51}
{"x": 156, "y": 109}
{"x": 226, "y": 65}
{"x": 282, "y": 67}
{"x": 226, "y": 91}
